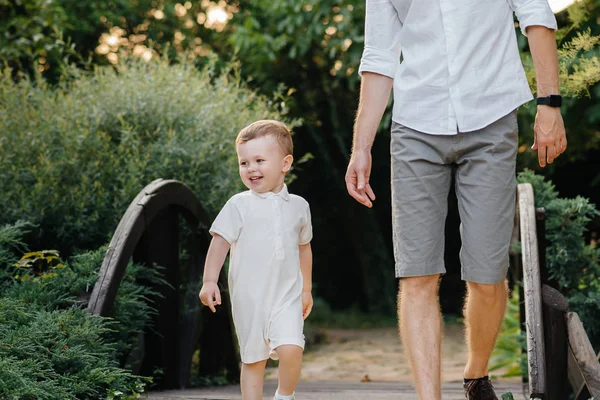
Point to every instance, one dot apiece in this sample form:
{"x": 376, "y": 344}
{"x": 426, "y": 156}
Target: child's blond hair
{"x": 266, "y": 127}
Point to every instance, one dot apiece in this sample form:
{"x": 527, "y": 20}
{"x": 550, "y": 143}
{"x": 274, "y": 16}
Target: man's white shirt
{"x": 461, "y": 69}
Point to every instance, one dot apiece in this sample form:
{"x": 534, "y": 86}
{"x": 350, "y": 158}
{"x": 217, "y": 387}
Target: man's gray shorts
{"x": 484, "y": 165}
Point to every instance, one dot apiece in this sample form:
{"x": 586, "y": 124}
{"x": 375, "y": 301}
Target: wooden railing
{"x": 558, "y": 349}
{"x": 148, "y": 234}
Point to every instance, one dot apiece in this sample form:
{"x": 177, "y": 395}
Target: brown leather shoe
{"x": 479, "y": 389}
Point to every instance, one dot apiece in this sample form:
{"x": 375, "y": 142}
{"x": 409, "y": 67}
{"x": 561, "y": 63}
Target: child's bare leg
{"x": 252, "y": 379}
{"x": 290, "y": 364}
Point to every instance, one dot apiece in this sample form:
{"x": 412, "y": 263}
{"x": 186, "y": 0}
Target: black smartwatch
{"x": 554, "y": 100}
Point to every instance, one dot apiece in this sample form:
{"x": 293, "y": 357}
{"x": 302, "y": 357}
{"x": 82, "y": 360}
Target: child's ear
{"x": 287, "y": 163}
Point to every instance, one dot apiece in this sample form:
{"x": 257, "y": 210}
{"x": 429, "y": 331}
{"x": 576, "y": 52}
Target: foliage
{"x": 11, "y": 241}
{"x": 58, "y": 355}
{"x": 312, "y": 49}
{"x": 71, "y": 285}
{"x": 74, "y": 157}
{"x": 508, "y": 354}
{"x": 32, "y": 39}
{"x": 50, "y": 347}
{"x": 579, "y": 73}
{"x": 571, "y": 262}
{"x": 38, "y": 265}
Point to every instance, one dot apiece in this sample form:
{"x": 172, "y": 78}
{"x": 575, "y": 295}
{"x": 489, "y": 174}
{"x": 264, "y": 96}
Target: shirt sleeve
{"x": 381, "y": 54}
{"x": 533, "y": 12}
{"x": 306, "y": 234}
{"x": 228, "y": 223}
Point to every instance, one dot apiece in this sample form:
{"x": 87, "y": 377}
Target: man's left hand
{"x": 550, "y": 139}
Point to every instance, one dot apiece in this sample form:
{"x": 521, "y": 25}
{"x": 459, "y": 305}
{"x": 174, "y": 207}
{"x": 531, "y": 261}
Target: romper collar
{"x": 283, "y": 193}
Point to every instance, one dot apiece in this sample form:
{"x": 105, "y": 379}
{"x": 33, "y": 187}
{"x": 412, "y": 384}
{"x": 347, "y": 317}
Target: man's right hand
{"x": 357, "y": 178}
{"x": 210, "y": 295}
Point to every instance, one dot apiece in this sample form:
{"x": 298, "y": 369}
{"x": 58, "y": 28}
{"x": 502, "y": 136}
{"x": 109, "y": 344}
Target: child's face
{"x": 263, "y": 164}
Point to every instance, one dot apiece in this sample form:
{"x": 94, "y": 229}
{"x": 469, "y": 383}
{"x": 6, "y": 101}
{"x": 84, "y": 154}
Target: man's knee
{"x": 487, "y": 291}
{"x": 420, "y": 285}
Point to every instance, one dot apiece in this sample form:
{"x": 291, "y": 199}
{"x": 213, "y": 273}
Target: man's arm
{"x": 378, "y": 65}
{"x": 374, "y": 95}
{"x": 549, "y": 131}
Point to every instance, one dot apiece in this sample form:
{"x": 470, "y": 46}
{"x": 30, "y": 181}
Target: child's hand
{"x": 210, "y": 295}
{"x": 307, "y": 304}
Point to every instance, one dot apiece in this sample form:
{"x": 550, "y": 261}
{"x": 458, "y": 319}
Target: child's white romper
{"x": 265, "y": 281}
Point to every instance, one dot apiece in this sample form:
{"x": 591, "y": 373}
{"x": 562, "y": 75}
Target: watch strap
{"x": 554, "y": 100}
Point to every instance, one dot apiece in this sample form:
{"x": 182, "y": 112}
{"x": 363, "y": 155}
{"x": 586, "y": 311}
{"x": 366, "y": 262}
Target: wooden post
{"x": 554, "y": 308}
{"x": 148, "y": 231}
{"x": 583, "y": 367}
{"x": 540, "y": 228}
{"x": 533, "y": 292}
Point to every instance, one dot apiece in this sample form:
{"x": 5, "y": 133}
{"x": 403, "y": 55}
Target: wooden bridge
{"x": 335, "y": 390}
{"x": 559, "y": 352}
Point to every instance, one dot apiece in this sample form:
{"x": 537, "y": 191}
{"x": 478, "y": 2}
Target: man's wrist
{"x": 205, "y": 281}
{"x": 362, "y": 147}
{"x": 552, "y": 100}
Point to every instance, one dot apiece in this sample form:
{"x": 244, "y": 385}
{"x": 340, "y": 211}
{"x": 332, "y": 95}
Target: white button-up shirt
{"x": 460, "y": 68}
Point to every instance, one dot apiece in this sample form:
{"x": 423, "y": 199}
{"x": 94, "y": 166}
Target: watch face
{"x": 553, "y": 100}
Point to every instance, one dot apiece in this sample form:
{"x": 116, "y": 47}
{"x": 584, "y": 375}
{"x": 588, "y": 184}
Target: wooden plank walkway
{"x": 337, "y": 390}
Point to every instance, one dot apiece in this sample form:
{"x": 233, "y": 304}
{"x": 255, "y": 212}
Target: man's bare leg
{"x": 421, "y": 331}
{"x": 484, "y": 311}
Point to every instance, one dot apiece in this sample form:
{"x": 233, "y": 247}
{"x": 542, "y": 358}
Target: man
{"x": 456, "y": 92}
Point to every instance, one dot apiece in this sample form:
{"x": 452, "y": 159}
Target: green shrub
{"x": 508, "y": 353}
{"x": 11, "y": 245}
{"x": 58, "y": 354}
{"x": 50, "y": 347}
{"x": 32, "y": 37}
{"x": 571, "y": 262}
{"x": 73, "y": 158}
{"x": 71, "y": 286}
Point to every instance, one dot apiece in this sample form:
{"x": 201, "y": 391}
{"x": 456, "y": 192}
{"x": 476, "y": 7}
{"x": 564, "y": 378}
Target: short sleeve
{"x": 228, "y": 223}
{"x": 306, "y": 234}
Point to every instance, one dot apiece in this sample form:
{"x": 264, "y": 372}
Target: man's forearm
{"x": 542, "y": 43}
{"x": 374, "y": 95}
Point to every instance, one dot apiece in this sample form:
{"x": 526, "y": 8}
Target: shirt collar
{"x": 283, "y": 193}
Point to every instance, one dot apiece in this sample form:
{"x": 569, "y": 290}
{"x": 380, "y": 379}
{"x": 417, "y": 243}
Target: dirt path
{"x": 377, "y": 355}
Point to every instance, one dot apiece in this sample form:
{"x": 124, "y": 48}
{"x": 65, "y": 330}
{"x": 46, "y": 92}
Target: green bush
{"x": 58, "y": 355}
{"x": 11, "y": 245}
{"x": 73, "y": 158}
{"x": 72, "y": 285}
{"x": 50, "y": 347}
{"x": 571, "y": 262}
{"x": 32, "y": 37}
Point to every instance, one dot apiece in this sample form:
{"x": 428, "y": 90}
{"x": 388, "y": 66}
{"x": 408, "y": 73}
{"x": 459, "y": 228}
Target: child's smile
{"x": 263, "y": 164}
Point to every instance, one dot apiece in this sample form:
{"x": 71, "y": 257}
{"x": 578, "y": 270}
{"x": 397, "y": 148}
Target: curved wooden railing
{"x": 148, "y": 233}
{"x": 558, "y": 349}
